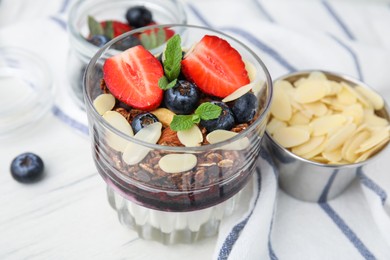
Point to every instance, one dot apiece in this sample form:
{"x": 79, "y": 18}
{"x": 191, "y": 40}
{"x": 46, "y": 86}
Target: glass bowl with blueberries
{"x": 92, "y": 23}
{"x": 176, "y": 125}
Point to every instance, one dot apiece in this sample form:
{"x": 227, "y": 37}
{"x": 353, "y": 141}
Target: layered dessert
{"x": 179, "y": 129}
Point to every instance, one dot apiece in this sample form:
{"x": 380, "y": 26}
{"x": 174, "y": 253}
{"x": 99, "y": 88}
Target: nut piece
{"x": 226, "y": 163}
{"x": 169, "y": 138}
{"x": 338, "y": 118}
{"x": 164, "y": 115}
{"x": 119, "y": 122}
{"x": 291, "y": 136}
{"x": 281, "y": 105}
{"x": 375, "y": 99}
{"x": 310, "y": 91}
{"x": 220, "y": 135}
{"x": 191, "y": 137}
{"x": 250, "y": 68}
{"x": 238, "y": 93}
{"x": 175, "y": 163}
{"x": 104, "y": 103}
{"x": 135, "y": 153}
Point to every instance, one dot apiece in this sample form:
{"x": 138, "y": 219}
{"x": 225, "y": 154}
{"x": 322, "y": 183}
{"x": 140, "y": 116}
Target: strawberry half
{"x": 215, "y": 67}
{"x": 168, "y": 32}
{"x": 118, "y": 28}
{"x": 132, "y": 77}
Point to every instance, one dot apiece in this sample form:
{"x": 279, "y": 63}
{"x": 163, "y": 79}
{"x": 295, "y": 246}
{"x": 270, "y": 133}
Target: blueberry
{"x": 98, "y": 40}
{"x": 224, "y": 121}
{"x": 126, "y": 43}
{"x": 244, "y": 108}
{"x": 183, "y": 98}
{"x": 142, "y": 120}
{"x": 27, "y": 168}
{"x": 138, "y": 16}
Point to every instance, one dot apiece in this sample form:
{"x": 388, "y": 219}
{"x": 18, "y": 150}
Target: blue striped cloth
{"x": 342, "y": 36}
{"x": 345, "y": 37}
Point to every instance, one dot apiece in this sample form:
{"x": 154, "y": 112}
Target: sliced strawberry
{"x": 118, "y": 28}
{"x": 168, "y": 32}
{"x": 215, "y": 67}
{"x": 132, "y": 77}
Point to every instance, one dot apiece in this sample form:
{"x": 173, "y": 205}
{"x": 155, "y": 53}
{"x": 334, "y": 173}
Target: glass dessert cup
{"x": 175, "y": 207}
{"x": 81, "y": 51}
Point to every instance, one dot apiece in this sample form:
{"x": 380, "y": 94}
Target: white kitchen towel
{"x": 347, "y": 37}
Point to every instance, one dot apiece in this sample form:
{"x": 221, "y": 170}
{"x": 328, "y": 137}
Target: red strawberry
{"x": 215, "y": 67}
{"x": 132, "y": 77}
{"x": 118, "y": 28}
{"x": 168, "y": 32}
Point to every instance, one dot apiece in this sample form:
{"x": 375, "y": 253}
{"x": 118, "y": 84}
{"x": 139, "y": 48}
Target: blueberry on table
{"x": 27, "y": 168}
{"x": 98, "y": 40}
{"x": 138, "y": 16}
{"x": 183, "y": 98}
{"x": 225, "y": 120}
{"x": 142, "y": 120}
{"x": 244, "y": 108}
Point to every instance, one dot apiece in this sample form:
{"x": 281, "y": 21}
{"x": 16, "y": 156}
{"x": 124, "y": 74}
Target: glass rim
{"x": 86, "y": 5}
{"x": 97, "y": 117}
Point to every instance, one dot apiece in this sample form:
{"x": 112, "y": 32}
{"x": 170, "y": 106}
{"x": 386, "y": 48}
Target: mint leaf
{"x": 173, "y": 56}
{"x": 161, "y": 36}
{"x": 94, "y": 26}
{"x": 109, "y": 29}
{"x": 172, "y": 84}
{"x": 148, "y": 40}
{"x": 153, "y": 38}
{"x": 195, "y": 119}
{"x": 208, "y": 111}
{"x": 181, "y": 122}
{"x": 164, "y": 84}
{"x": 205, "y": 111}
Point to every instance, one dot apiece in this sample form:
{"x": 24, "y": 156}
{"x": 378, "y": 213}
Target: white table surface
{"x": 67, "y": 216}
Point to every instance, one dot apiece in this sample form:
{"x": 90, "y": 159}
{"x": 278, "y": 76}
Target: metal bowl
{"x": 309, "y": 180}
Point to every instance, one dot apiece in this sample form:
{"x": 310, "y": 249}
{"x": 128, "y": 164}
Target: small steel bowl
{"x": 309, "y": 180}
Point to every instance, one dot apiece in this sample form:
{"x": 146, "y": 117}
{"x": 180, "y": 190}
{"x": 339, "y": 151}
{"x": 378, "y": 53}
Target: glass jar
{"x": 81, "y": 51}
{"x": 183, "y": 206}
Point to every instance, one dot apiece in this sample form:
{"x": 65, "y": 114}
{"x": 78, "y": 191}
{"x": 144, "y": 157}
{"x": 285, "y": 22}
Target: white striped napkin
{"x": 344, "y": 36}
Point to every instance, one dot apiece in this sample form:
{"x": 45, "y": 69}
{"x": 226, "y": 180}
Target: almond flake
{"x": 191, "y": 137}
{"x": 164, "y": 115}
{"x": 175, "y": 163}
{"x": 291, "y": 136}
{"x": 119, "y": 122}
{"x": 135, "y": 153}
{"x": 104, "y": 103}
{"x": 220, "y": 135}
{"x": 375, "y": 99}
{"x": 281, "y": 107}
{"x": 238, "y": 92}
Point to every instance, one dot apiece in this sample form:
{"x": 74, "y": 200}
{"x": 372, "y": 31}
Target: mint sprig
{"x": 94, "y": 26}
{"x": 164, "y": 84}
{"x": 206, "y": 111}
{"x": 171, "y": 63}
{"x": 109, "y": 30}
